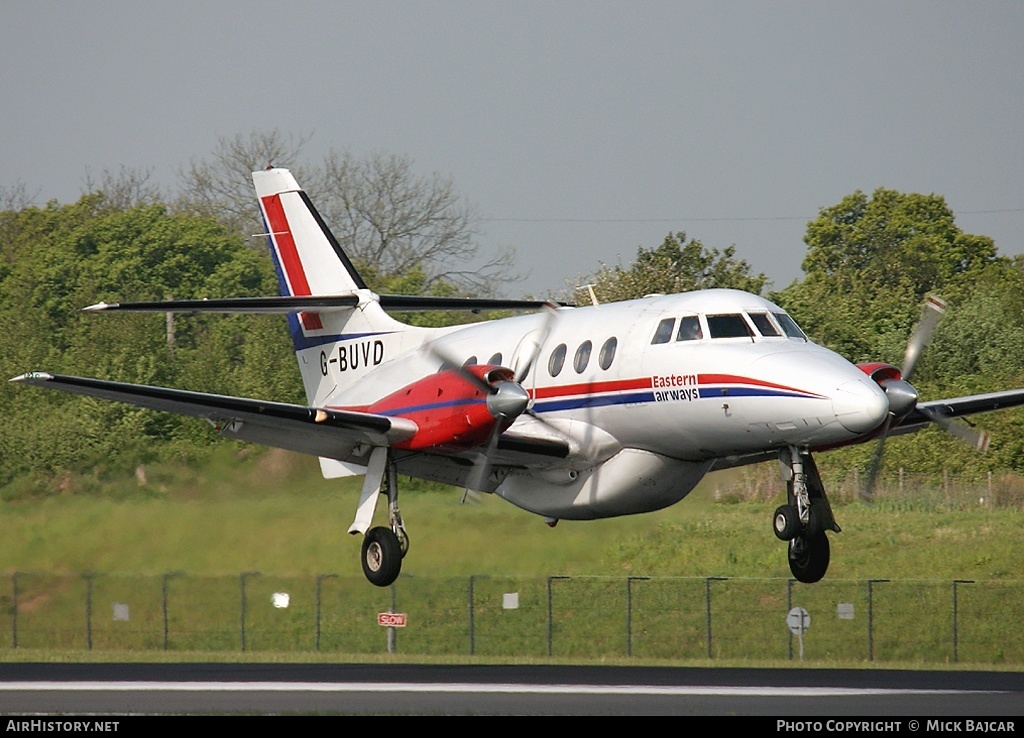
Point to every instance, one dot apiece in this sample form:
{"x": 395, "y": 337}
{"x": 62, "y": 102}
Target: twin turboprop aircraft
{"x": 574, "y": 413}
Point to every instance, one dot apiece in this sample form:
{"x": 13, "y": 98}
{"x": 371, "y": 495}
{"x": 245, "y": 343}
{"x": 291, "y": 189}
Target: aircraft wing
{"x": 345, "y": 435}
{"x": 958, "y": 407}
{"x": 336, "y": 434}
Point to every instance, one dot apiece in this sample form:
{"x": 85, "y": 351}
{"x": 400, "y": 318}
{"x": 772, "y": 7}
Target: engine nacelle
{"x": 901, "y": 394}
{"x": 450, "y": 408}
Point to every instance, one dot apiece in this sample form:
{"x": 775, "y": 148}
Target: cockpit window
{"x": 764, "y": 325}
{"x": 689, "y": 329}
{"x": 728, "y": 326}
{"x": 789, "y": 326}
{"x": 664, "y": 332}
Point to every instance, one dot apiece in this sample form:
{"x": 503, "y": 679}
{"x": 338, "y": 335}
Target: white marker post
{"x": 799, "y": 620}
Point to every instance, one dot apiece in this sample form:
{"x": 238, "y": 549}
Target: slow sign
{"x": 391, "y": 619}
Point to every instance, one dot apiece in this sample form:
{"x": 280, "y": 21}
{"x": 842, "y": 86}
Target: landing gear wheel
{"x": 786, "y": 522}
{"x": 808, "y": 558}
{"x": 382, "y": 556}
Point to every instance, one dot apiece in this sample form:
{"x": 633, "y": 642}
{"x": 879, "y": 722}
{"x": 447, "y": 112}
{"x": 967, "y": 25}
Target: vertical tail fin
{"x": 334, "y": 348}
{"x": 308, "y": 259}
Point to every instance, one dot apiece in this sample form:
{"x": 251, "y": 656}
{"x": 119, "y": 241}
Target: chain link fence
{"x": 923, "y": 621}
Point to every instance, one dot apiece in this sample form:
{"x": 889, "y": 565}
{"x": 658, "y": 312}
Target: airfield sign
{"x": 798, "y": 620}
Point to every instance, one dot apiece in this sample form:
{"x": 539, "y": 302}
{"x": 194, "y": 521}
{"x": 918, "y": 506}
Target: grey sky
{"x": 582, "y": 129}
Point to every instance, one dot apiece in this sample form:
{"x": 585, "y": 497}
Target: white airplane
{"x": 574, "y": 413}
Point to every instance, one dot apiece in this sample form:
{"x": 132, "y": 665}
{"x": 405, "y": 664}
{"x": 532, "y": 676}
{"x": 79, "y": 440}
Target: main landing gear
{"x": 383, "y": 547}
{"x": 805, "y": 517}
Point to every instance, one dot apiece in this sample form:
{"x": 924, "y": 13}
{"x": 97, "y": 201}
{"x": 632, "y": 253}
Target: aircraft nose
{"x": 860, "y": 405}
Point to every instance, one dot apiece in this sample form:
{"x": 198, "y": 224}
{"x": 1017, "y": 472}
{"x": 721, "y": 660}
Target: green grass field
{"x": 273, "y": 513}
{"x": 239, "y": 512}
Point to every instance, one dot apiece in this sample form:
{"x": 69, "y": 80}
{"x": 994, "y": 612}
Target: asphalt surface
{"x": 883, "y": 697}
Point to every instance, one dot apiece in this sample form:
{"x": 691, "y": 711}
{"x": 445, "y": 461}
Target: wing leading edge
{"x": 335, "y": 434}
{"x": 345, "y": 435}
{"x": 958, "y": 407}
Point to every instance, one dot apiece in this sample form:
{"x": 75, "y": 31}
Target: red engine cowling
{"x": 449, "y": 408}
{"x": 880, "y": 371}
{"x": 901, "y": 394}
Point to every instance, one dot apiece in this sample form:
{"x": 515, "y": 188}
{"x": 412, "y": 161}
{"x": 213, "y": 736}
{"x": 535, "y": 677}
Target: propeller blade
{"x": 901, "y": 394}
{"x": 934, "y": 307}
{"x": 455, "y": 365}
{"x": 977, "y": 439}
{"x": 482, "y": 468}
{"x": 867, "y": 491}
{"x": 525, "y": 364}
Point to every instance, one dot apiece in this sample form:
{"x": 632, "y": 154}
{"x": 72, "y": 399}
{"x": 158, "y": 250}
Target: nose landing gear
{"x": 805, "y": 517}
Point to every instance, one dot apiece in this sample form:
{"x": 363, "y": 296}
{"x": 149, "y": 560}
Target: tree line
{"x": 871, "y": 260}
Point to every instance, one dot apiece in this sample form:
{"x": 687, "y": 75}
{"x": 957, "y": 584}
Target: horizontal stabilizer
{"x": 319, "y": 303}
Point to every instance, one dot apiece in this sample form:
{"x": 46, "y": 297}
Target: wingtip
{"x": 32, "y": 377}
{"x": 98, "y": 307}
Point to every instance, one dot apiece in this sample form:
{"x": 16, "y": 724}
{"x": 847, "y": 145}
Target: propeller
{"x": 506, "y": 399}
{"x": 903, "y": 397}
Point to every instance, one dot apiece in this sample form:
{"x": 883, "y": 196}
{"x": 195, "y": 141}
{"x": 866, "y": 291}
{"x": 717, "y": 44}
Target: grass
{"x": 272, "y": 513}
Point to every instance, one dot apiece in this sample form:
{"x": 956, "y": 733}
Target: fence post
{"x": 472, "y": 632}
{"x": 789, "y": 607}
{"x": 163, "y": 603}
{"x": 550, "y": 616}
{"x": 956, "y": 582}
{"x": 871, "y": 642}
{"x": 319, "y": 580}
{"x": 241, "y": 583}
{"x": 88, "y": 577}
{"x": 14, "y": 621}
{"x": 629, "y": 612}
{"x": 707, "y": 606}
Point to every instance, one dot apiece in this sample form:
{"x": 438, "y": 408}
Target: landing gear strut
{"x": 383, "y": 547}
{"x": 805, "y": 517}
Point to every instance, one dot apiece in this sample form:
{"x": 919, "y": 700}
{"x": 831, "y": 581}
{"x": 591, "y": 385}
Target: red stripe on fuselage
{"x": 623, "y": 385}
{"x": 585, "y": 388}
{"x": 288, "y": 256}
{"x": 706, "y": 379}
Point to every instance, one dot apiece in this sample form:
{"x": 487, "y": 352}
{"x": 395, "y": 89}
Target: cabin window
{"x": 496, "y": 359}
{"x": 607, "y": 355}
{"x": 582, "y": 358}
{"x": 664, "y": 332}
{"x": 789, "y": 326}
{"x": 728, "y": 326}
{"x": 470, "y": 361}
{"x": 557, "y": 360}
{"x": 764, "y": 325}
{"x": 689, "y": 329}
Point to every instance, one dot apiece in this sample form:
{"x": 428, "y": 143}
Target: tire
{"x": 382, "y": 556}
{"x": 808, "y": 558}
{"x": 786, "y": 522}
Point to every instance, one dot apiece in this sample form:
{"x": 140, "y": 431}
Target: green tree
{"x": 869, "y": 266}
{"x": 677, "y": 265}
{"x": 870, "y": 263}
{"x": 57, "y": 259}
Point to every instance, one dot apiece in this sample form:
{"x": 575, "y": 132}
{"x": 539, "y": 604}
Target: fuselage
{"x": 693, "y": 376}
{"x": 649, "y": 392}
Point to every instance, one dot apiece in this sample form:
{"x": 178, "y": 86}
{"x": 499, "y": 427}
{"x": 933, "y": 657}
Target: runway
{"x": 406, "y": 689}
